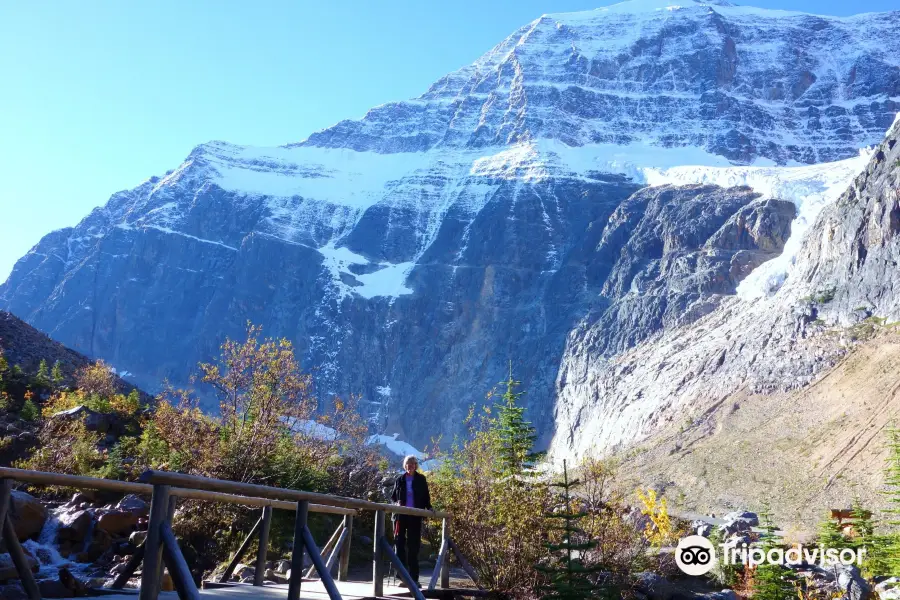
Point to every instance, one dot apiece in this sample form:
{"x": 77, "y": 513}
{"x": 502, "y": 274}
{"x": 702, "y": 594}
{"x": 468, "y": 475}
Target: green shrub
{"x": 772, "y": 581}
{"x": 29, "y": 411}
{"x": 42, "y": 377}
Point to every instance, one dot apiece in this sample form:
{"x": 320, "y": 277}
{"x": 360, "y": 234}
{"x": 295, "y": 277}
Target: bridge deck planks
{"x": 312, "y": 590}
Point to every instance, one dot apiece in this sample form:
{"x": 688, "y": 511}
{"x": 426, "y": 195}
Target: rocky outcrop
{"x": 849, "y": 261}
{"x": 675, "y": 252}
{"x": 772, "y": 344}
{"x": 28, "y": 515}
{"x": 8, "y": 569}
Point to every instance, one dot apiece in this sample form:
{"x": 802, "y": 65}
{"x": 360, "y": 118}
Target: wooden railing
{"x": 161, "y": 546}
{"x": 163, "y": 482}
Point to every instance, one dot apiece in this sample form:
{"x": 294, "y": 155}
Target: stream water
{"x": 44, "y": 548}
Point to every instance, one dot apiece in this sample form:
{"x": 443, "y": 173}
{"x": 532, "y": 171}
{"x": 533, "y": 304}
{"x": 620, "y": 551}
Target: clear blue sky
{"x": 99, "y": 95}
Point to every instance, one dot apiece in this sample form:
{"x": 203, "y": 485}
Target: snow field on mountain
{"x": 387, "y": 281}
{"x": 334, "y": 188}
{"x": 811, "y": 188}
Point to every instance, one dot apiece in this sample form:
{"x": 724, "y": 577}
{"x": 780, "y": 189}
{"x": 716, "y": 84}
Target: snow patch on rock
{"x": 811, "y": 188}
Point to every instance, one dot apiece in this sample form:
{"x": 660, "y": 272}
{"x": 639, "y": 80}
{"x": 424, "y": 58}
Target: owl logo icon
{"x": 695, "y": 555}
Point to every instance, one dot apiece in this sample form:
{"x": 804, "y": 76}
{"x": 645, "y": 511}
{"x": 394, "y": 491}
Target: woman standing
{"x": 411, "y": 490}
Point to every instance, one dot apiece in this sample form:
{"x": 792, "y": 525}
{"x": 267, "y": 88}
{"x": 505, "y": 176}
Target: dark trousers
{"x": 408, "y": 540}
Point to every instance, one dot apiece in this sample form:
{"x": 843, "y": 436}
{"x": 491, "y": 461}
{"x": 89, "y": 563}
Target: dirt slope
{"x": 802, "y": 452}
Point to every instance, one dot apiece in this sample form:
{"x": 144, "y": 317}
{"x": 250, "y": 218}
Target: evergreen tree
{"x": 890, "y": 544}
{"x": 56, "y": 375}
{"x": 42, "y": 377}
{"x": 29, "y": 410}
{"x": 830, "y": 533}
{"x": 515, "y": 435}
{"x": 569, "y": 578}
{"x": 4, "y": 370}
{"x": 876, "y": 547}
{"x": 773, "y": 581}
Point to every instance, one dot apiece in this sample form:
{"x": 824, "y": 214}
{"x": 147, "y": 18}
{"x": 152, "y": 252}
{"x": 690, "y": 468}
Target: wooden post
{"x": 465, "y": 564}
{"x": 401, "y": 569}
{"x": 327, "y": 549}
{"x": 159, "y": 509}
{"x": 445, "y": 546}
{"x": 378, "y": 557}
{"x": 336, "y": 552}
{"x": 5, "y": 501}
{"x": 178, "y": 568}
{"x": 441, "y": 568}
{"x": 344, "y": 564}
{"x": 297, "y": 552}
{"x": 170, "y": 513}
{"x": 259, "y": 574}
{"x": 324, "y": 572}
{"x": 229, "y": 570}
{"x": 20, "y": 560}
{"x": 130, "y": 567}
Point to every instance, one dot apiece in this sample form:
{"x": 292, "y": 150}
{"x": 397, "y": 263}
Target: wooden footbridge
{"x": 161, "y": 546}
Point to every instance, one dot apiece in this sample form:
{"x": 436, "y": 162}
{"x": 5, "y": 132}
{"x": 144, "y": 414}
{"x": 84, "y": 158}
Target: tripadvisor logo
{"x": 696, "y": 555}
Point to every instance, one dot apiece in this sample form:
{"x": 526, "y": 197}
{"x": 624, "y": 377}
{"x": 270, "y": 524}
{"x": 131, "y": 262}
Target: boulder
{"x": 700, "y": 527}
{"x": 74, "y": 526}
{"x": 28, "y": 515}
{"x": 117, "y": 522}
{"x": 243, "y": 571}
{"x": 78, "y": 499}
{"x": 13, "y": 591}
{"x": 72, "y": 583}
{"x": 101, "y": 541}
{"x": 282, "y": 567}
{"x": 137, "y": 538}
{"x": 653, "y": 586}
{"x": 736, "y": 526}
{"x": 852, "y": 584}
{"x": 8, "y": 569}
{"x": 134, "y": 504}
{"x": 723, "y": 595}
{"x": 743, "y": 515}
{"x": 889, "y": 589}
{"x": 271, "y": 575}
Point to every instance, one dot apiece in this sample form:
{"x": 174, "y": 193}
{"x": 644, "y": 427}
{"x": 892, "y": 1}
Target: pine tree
{"x": 56, "y": 375}
{"x": 29, "y": 411}
{"x": 4, "y": 370}
{"x": 515, "y": 435}
{"x": 569, "y": 578}
{"x": 42, "y": 377}
{"x": 773, "y": 581}
{"x": 890, "y": 544}
{"x": 830, "y": 533}
{"x": 876, "y": 556}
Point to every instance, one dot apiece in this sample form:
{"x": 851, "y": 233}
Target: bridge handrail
{"x": 195, "y": 482}
{"x": 128, "y": 487}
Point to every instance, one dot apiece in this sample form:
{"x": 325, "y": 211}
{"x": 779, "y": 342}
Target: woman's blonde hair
{"x": 408, "y": 458}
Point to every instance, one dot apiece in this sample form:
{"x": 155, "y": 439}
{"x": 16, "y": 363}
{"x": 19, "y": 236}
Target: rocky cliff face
{"x": 503, "y": 214}
{"x": 843, "y": 276}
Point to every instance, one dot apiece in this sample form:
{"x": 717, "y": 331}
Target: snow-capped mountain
{"x": 503, "y": 214}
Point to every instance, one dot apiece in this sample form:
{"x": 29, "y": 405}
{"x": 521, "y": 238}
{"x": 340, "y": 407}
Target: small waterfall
{"x": 44, "y": 549}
